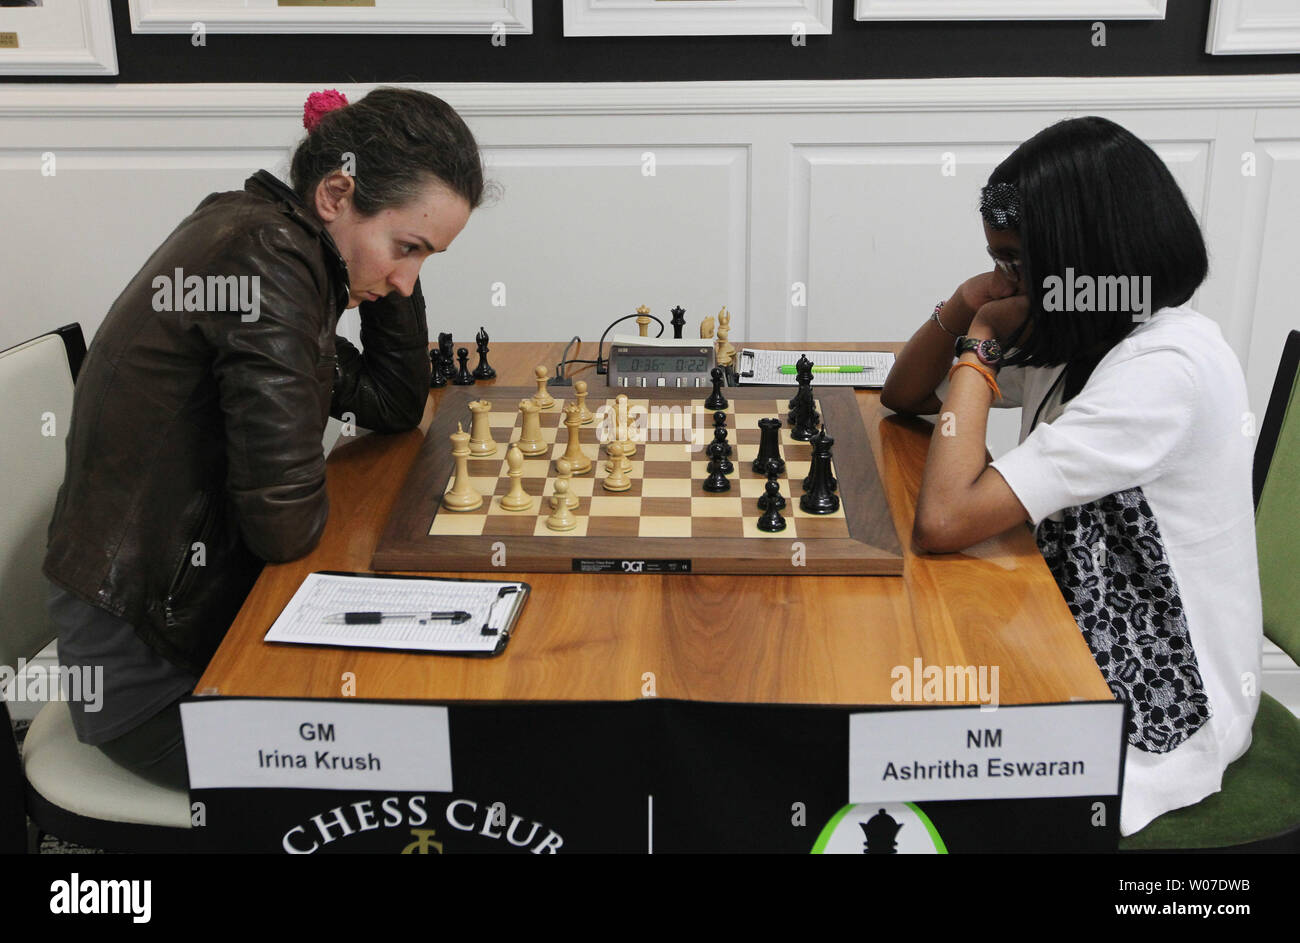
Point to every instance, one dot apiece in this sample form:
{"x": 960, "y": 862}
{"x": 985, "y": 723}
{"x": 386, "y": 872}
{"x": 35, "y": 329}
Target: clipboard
{"x": 761, "y": 367}
{"x": 314, "y": 615}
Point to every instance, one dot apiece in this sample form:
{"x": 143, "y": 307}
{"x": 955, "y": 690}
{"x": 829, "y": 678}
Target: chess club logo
{"x": 408, "y": 825}
{"x": 880, "y": 828}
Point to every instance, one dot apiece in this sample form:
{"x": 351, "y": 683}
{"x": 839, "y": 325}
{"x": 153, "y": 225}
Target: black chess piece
{"x": 804, "y": 416}
{"x": 716, "y": 400}
{"x": 720, "y": 448}
{"x": 799, "y": 366}
{"x": 716, "y": 481}
{"x": 763, "y": 499}
{"x": 881, "y": 834}
{"x": 819, "y": 498}
{"x": 816, "y": 442}
{"x": 769, "y": 446}
{"x": 463, "y": 377}
{"x": 678, "y": 322}
{"x": 484, "y": 370}
{"x": 447, "y": 354}
{"x": 436, "y": 379}
{"x": 720, "y": 425}
{"x": 771, "y": 521}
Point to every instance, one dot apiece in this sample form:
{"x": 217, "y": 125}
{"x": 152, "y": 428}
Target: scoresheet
{"x": 763, "y": 367}
{"x": 313, "y": 615}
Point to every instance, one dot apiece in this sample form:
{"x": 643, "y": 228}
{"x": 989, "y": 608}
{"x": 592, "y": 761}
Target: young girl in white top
{"x": 1134, "y": 463}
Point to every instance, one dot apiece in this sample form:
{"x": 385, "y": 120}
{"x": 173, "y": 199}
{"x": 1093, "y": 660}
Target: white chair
{"x": 65, "y": 787}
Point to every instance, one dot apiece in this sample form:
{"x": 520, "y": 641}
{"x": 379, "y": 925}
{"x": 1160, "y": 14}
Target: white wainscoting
{"x": 698, "y": 194}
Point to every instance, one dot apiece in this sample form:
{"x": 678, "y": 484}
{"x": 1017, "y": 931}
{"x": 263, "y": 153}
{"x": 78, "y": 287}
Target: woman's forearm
{"x": 924, "y": 361}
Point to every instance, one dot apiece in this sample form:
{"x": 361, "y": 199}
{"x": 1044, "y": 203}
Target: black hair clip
{"x": 1000, "y": 206}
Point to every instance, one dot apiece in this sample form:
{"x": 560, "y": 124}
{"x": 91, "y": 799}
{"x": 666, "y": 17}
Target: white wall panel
{"x": 583, "y": 235}
{"x": 71, "y": 241}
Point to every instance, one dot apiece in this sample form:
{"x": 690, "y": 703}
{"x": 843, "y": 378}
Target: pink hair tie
{"x": 320, "y": 104}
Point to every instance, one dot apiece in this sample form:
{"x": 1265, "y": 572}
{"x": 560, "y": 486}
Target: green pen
{"x": 846, "y": 368}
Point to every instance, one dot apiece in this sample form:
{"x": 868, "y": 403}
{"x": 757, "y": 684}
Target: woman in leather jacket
{"x": 194, "y": 450}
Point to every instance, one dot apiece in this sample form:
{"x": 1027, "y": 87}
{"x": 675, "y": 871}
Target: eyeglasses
{"x": 1010, "y": 270}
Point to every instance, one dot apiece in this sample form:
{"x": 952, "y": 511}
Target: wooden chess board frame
{"x": 870, "y": 547}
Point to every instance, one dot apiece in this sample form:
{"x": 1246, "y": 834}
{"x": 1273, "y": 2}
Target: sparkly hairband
{"x": 319, "y": 104}
{"x": 1000, "y": 206}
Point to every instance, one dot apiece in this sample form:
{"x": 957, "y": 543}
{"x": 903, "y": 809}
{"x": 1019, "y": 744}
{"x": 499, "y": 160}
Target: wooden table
{"x": 775, "y": 639}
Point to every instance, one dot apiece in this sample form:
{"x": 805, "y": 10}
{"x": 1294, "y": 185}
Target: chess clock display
{"x": 671, "y": 365}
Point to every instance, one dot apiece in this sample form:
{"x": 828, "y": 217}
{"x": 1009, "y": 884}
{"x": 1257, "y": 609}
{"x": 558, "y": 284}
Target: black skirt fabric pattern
{"x": 1109, "y": 561}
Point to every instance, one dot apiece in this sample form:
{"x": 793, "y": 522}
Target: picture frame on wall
{"x": 333, "y": 16}
{"x": 57, "y": 37}
{"x": 697, "y": 17}
{"x": 1253, "y": 27}
{"x": 1009, "y": 9}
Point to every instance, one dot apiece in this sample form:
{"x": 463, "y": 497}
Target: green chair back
{"x": 1277, "y": 509}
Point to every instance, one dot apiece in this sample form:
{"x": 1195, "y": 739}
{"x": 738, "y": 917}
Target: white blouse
{"x": 1140, "y": 492}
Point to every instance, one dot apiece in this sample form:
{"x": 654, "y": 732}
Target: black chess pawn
{"x": 716, "y": 400}
{"x": 436, "y": 378}
{"x": 763, "y": 499}
{"x": 678, "y": 322}
{"x": 717, "y": 481}
{"x": 771, "y": 521}
{"x": 463, "y": 377}
{"x": 769, "y": 446}
{"x": 720, "y": 440}
{"x": 484, "y": 370}
{"x": 717, "y": 449}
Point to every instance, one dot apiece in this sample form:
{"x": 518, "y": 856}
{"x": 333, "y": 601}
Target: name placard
{"x": 1029, "y": 752}
{"x": 301, "y": 744}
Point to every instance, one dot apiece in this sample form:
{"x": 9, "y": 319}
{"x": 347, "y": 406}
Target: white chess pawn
{"x": 561, "y": 517}
{"x": 564, "y": 471}
{"x": 617, "y": 479}
{"x": 626, "y": 436}
{"x": 580, "y": 394}
{"x": 542, "y": 397}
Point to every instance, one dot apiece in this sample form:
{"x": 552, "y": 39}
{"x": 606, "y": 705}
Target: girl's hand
{"x": 1001, "y": 318}
{"x": 987, "y": 286}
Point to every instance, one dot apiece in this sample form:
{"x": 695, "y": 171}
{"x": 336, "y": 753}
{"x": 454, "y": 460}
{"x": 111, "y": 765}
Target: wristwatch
{"x": 989, "y": 351}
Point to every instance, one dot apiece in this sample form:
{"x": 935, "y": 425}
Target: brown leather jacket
{"x": 204, "y": 426}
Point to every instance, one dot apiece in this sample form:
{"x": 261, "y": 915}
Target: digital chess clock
{"x": 650, "y": 361}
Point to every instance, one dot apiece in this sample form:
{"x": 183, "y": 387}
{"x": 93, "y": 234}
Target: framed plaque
{"x": 56, "y": 37}
{"x": 333, "y": 16}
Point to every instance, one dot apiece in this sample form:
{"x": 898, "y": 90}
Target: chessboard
{"x": 666, "y": 522}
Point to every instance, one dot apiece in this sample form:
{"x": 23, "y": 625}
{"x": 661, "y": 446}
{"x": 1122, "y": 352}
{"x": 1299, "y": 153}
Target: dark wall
{"x": 1174, "y": 46}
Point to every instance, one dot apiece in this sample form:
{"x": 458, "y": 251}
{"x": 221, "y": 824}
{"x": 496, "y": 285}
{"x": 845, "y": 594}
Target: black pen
{"x": 374, "y": 618}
